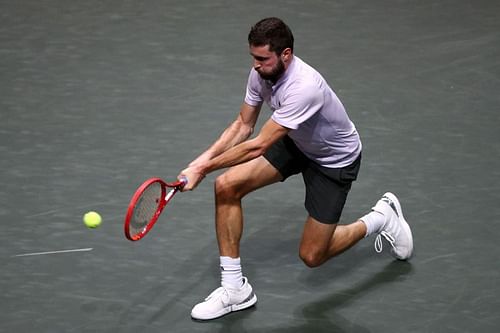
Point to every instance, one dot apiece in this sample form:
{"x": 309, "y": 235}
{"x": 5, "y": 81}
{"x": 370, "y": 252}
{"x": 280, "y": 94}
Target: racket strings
{"x": 146, "y": 208}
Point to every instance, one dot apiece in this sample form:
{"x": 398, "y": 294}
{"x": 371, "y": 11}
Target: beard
{"x": 275, "y": 73}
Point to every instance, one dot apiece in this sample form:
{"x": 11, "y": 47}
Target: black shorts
{"x": 326, "y": 188}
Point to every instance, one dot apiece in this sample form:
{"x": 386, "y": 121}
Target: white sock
{"x": 374, "y": 222}
{"x": 231, "y": 274}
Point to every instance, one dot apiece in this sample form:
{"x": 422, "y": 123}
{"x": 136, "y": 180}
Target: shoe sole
{"x": 406, "y": 226}
{"x": 232, "y": 308}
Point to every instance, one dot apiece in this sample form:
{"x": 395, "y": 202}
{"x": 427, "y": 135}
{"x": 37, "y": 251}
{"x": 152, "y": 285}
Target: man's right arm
{"x": 240, "y": 130}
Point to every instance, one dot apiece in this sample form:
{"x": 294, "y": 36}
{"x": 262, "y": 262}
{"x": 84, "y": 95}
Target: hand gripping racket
{"x": 146, "y": 205}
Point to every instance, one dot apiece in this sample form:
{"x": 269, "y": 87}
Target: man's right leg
{"x": 230, "y": 187}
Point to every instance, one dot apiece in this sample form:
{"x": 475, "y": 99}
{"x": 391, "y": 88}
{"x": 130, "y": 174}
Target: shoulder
{"x": 303, "y": 77}
{"x": 303, "y": 88}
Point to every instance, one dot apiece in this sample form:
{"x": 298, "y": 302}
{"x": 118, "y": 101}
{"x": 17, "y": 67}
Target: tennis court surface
{"x": 97, "y": 96}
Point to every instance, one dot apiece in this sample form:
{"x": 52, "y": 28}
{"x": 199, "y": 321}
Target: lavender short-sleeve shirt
{"x": 302, "y": 101}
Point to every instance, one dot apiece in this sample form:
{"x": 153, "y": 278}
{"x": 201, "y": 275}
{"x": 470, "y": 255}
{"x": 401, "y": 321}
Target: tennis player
{"x": 308, "y": 132}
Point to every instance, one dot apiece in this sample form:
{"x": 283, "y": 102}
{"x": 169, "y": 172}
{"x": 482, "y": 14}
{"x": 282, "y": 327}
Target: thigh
{"x": 327, "y": 190}
{"x": 325, "y": 198}
{"x": 286, "y": 157}
{"x": 247, "y": 177}
{"x": 316, "y": 236}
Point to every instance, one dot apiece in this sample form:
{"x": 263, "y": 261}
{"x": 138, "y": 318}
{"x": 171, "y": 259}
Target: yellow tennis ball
{"x": 92, "y": 219}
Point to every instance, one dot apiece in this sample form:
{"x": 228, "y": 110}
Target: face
{"x": 268, "y": 64}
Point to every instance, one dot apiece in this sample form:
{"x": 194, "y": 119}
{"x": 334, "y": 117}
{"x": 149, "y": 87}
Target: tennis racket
{"x": 146, "y": 205}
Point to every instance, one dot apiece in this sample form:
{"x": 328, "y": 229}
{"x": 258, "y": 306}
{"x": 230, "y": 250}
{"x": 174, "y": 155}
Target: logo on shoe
{"x": 390, "y": 203}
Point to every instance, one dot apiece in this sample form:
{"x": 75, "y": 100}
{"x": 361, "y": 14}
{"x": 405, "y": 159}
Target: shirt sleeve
{"x": 299, "y": 104}
{"x": 253, "y": 96}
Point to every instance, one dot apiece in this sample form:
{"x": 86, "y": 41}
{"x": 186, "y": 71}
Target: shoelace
{"x": 219, "y": 291}
{"x": 378, "y": 241}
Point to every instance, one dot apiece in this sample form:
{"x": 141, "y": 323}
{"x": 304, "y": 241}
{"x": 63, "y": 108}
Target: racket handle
{"x": 183, "y": 181}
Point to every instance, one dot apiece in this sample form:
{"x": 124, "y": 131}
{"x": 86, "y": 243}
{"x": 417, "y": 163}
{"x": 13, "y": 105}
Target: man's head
{"x": 271, "y": 45}
{"x": 273, "y": 32}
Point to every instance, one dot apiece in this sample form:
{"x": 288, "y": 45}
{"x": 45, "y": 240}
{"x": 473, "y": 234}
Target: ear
{"x": 286, "y": 54}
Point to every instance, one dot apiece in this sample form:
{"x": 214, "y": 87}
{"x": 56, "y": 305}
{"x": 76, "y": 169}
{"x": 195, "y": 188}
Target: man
{"x": 308, "y": 132}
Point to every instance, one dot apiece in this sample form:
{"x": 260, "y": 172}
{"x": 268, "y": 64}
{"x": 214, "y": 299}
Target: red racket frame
{"x": 175, "y": 186}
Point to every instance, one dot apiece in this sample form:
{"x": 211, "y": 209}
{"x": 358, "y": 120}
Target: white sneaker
{"x": 224, "y": 300}
{"x": 395, "y": 230}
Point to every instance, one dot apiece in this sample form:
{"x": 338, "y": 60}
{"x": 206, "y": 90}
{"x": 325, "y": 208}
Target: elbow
{"x": 244, "y": 129}
{"x": 247, "y": 131}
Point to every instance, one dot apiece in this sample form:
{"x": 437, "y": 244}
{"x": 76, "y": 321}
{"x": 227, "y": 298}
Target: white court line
{"x": 53, "y": 252}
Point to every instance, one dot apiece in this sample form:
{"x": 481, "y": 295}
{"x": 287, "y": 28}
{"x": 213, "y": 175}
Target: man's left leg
{"x": 321, "y": 241}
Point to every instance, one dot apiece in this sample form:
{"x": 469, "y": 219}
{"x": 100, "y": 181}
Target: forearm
{"x": 238, "y": 154}
{"x": 245, "y": 151}
{"x": 232, "y": 152}
{"x": 236, "y": 133}
{"x": 233, "y": 136}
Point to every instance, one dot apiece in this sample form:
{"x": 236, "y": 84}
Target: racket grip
{"x": 183, "y": 180}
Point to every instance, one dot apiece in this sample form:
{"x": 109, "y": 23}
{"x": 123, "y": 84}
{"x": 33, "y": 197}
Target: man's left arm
{"x": 243, "y": 152}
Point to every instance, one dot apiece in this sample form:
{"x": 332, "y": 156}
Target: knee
{"x": 226, "y": 188}
{"x": 311, "y": 258}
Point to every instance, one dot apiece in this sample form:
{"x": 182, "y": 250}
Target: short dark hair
{"x": 273, "y": 32}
